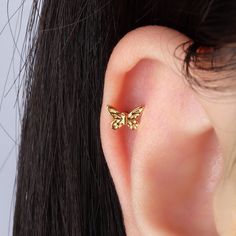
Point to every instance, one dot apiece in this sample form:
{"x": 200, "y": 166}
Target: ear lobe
{"x": 163, "y": 171}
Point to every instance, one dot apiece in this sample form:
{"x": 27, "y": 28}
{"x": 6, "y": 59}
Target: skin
{"x": 168, "y": 173}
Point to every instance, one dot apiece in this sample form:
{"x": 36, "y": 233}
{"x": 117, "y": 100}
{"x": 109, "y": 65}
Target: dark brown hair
{"x": 63, "y": 183}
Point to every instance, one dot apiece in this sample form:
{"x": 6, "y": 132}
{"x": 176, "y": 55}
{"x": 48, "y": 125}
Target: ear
{"x": 165, "y": 171}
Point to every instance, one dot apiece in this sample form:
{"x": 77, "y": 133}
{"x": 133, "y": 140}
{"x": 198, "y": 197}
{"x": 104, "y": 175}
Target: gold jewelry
{"x": 124, "y": 118}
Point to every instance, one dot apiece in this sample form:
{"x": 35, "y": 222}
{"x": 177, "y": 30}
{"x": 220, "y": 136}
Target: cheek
{"x": 225, "y": 206}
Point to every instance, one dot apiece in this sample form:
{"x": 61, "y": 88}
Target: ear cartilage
{"x": 124, "y": 118}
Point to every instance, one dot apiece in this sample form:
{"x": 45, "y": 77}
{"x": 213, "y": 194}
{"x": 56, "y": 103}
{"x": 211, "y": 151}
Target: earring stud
{"x": 124, "y": 118}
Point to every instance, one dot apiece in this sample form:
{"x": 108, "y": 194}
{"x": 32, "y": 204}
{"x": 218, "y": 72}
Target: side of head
{"x": 77, "y": 176}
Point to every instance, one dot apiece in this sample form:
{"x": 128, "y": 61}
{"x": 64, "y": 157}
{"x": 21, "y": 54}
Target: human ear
{"x": 166, "y": 170}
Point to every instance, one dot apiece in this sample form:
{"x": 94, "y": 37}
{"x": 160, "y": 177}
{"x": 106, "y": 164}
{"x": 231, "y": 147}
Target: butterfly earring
{"x": 124, "y": 118}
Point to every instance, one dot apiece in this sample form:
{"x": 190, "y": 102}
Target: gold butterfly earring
{"x": 124, "y": 118}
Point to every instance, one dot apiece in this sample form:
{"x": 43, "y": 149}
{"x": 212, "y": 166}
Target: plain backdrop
{"x": 12, "y": 35}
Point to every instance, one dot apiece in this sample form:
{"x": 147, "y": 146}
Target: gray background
{"x": 9, "y": 112}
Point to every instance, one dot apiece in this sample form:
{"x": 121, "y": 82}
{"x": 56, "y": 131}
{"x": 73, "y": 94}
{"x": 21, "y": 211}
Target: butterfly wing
{"x": 118, "y": 118}
{"x": 131, "y": 119}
